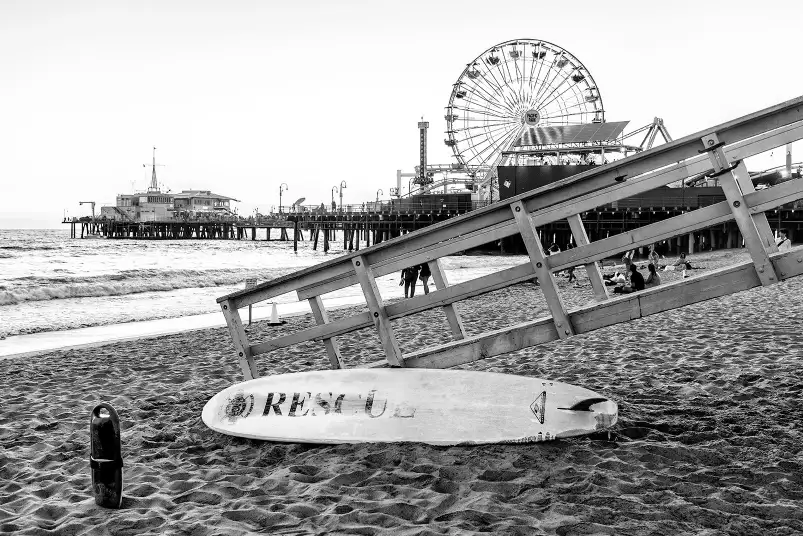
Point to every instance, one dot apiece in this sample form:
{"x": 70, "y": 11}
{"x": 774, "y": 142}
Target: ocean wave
{"x": 30, "y": 247}
{"x": 35, "y": 288}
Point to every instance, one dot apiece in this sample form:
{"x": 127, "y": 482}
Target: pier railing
{"x": 720, "y": 150}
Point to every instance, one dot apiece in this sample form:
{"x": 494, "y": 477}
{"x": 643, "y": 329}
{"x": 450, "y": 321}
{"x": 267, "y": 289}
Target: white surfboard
{"x": 434, "y": 406}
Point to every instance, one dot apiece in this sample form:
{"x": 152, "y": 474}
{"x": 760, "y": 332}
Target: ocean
{"x": 51, "y": 283}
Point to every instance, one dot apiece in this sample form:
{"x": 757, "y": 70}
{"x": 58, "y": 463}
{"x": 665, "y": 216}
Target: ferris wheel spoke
{"x": 485, "y": 112}
{"x": 490, "y": 98}
{"x": 548, "y": 83}
{"x": 492, "y": 142}
{"x": 485, "y": 147}
{"x": 535, "y": 80}
{"x": 481, "y": 107}
{"x": 555, "y": 97}
{"x": 499, "y": 89}
{"x": 499, "y": 96}
{"x": 475, "y": 127}
{"x": 567, "y": 114}
{"x": 505, "y": 141}
{"x": 486, "y": 134}
{"x": 507, "y": 68}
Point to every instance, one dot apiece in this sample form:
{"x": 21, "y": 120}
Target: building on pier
{"x": 161, "y": 206}
{"x": 155, "y": 205}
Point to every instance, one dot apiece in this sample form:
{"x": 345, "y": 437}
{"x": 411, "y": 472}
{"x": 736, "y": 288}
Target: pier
{"x": 356, "y": 228}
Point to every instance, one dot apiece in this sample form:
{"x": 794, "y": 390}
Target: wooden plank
{"x": 377, "y": 310}
{"x": 561, "y": 205}
{"x": 616, "y": 310}
{"x": 744, "y": 220}
{"x": 760, "y": 219}
{"x": 330, "y": 343}
{"x": 322, "y": 331}
{"x": 240, "y": 340}
{"x": 441, "y": 282}
{"x": 542, "y": 271}
{"x": 592, "y": 268}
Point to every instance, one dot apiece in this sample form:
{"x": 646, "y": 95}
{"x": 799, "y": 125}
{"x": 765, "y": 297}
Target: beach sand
{"x": 709, "y": 439}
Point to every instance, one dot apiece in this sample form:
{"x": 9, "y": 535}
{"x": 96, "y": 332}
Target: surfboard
{"x": 434, "y": 406}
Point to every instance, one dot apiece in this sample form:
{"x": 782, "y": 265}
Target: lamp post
{"x": 409, "y": 186}
{"x": 284, "y": 184}
{"x": 334, "y": 189}
{"x": 342, "y": 185}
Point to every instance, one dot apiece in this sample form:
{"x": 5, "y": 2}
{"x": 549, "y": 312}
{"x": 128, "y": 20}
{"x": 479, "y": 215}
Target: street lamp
{"x": 284, "y": 184}
{"x": 342, "y": 185}
{"x": 378, "y": 192}
{"x": 334, "y": 189}
{"x": 409, "y": 186}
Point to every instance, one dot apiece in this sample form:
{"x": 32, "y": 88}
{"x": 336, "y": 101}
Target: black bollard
{"x": 105, "y": 456}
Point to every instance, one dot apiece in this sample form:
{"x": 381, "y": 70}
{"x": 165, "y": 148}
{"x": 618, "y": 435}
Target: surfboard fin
{"x": 585, "y": 405}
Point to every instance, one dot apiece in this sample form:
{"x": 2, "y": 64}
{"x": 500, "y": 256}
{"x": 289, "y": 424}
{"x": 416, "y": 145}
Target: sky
{"x": 242, "y": 96}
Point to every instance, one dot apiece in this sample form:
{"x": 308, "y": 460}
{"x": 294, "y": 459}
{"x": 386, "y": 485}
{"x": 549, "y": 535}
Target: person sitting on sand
{"x": 424, "y": 275}
{"x": 636, "y": 282}
{"x": 653, "y": 279}
{"x": 628, "y": 262}
{"x": 616, "y": 278}
{"x": 408, "y": 277}
{"x": 783, "y": 242}
{"x": 680, "y": 264}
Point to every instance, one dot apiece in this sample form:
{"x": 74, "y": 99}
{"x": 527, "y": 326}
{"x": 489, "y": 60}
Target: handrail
{"x": 711, "y": 150}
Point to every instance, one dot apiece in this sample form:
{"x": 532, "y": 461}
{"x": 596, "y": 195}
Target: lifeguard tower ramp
{"x": 720, "y": 150}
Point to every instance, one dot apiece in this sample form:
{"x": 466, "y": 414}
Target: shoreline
{"x": 28, "y": 345}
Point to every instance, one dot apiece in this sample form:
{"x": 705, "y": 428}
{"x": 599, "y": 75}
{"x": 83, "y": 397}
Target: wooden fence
{"x": 720, "y": 149}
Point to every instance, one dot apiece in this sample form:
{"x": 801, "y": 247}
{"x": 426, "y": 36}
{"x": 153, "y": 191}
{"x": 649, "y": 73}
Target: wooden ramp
{"x": 720, "y": 149}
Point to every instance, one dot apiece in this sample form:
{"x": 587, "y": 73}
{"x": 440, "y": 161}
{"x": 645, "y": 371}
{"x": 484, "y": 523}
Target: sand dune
{"x": 709, "y": 440}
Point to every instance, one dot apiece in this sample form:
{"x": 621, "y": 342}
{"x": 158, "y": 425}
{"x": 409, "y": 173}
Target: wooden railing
{"x": 720, "y": 150}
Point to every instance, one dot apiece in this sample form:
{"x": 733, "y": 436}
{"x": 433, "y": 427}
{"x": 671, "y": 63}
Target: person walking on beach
{"x": 408, "y": 277}
{"x": 783, "y": 243}
{"x": 424, "y": 275}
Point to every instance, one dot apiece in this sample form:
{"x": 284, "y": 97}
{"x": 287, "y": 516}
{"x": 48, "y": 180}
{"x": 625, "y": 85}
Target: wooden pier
{"x": 358, "y": 229}
{"x": 720, "y": 149}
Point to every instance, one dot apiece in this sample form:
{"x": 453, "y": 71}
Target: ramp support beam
{"x": 754, "y": 228}
{"x": 239, "y": 339}
{"x": 542, "y": 271}
{"x": 376, "y": 308}
{"x": 321, "y": 317}
{"x": 455, "y": 323}
{"x": 592, "y": 269}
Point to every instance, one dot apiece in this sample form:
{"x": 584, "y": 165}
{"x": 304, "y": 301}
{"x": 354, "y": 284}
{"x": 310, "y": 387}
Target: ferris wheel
{"x": 508, "y": 88}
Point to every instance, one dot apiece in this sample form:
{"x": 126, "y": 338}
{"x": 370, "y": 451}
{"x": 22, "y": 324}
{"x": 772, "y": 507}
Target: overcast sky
{"x": 240, "y": 96}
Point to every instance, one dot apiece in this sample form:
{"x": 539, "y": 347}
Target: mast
{"x": 154, "y": 186}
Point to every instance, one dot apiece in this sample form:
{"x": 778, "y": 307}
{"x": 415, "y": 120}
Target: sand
{"x": 709, "y": 440}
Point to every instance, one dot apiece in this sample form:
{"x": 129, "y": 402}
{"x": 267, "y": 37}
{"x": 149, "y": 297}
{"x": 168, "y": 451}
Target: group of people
{"x": 632, "y": 280}
{"x": 410, "y": 275}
